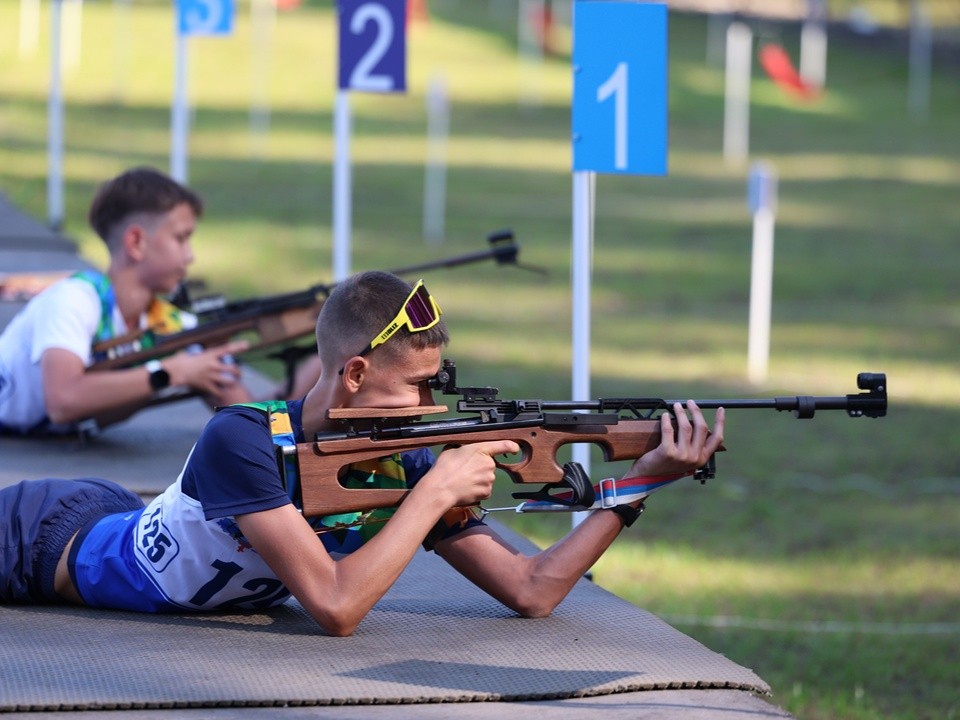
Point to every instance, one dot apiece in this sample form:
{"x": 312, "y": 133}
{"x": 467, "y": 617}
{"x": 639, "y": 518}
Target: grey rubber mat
{"x": 434, "y": 638}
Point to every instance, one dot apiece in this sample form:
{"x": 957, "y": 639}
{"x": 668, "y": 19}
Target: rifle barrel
{"x": 872, "y": 403}
{"x": 505, "y": 253}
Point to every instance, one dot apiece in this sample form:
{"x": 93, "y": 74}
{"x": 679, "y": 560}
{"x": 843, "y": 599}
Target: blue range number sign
{"x": 205, "y": 17}
{"x": 620, "y": 87}
{"x": 373, "y": 45}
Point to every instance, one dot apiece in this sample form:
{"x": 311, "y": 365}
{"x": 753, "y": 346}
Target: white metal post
{"x": 762, "y": 198}
{"x": 179, "y": 112}
{"x": 581, "y": 265}
{"x": 813, "y": 53}
{"x": 761, "y": 290}
{"x": 55, "y": 124}
{"x": 736, "y": 125}
{"x": 813, "y": 45}
{"x": 341, "y": 186}
{"x": 435, "y": 176}
{"x": 263, "y": 15}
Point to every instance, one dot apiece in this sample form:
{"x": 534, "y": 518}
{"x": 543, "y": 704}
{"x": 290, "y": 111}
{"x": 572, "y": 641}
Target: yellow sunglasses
{"x": 419, "y": 312}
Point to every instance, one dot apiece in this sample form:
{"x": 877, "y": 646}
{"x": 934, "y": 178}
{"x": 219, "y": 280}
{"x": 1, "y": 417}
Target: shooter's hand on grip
{"x": 466, "y": 472}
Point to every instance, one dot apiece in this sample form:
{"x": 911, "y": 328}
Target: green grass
{"x": 852, "y": 523}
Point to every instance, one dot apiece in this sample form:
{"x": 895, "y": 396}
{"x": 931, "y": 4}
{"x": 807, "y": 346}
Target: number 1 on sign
{"x": 616, "y": 85}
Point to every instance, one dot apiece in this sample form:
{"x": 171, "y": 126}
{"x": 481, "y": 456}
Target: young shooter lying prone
{"x": 226, "y": 533}
{"x": 147, "y": 221}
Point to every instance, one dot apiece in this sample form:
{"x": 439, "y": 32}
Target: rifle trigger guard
{"x": 574, "y": 479}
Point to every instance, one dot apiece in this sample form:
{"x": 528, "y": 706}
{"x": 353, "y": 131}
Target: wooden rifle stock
{"x": 320, "y": 462}
{"x": 273, "y": 328}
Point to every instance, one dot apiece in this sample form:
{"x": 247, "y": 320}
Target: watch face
{"x": 159, "y": 379}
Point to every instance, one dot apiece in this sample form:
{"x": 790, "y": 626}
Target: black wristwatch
{"x": 627, "y": 513}
{"x": 159, "y": 378}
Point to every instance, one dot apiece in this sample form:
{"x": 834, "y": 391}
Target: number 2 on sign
{"x": 362, "y": 77}
{"x": 616, "y": 85}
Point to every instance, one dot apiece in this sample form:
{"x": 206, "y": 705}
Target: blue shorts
{"x": 37, "y": 520}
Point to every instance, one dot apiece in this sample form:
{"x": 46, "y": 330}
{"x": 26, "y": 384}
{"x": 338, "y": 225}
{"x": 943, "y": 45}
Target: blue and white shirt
{"x": 185, "y": 551}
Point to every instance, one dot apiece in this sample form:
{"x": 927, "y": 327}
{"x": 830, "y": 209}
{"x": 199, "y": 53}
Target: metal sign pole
{"x": 342, "y": 190}
{"x": 55, "y": 123}
{"x": 762, "y": 199}
{"x": 581, "y": 269}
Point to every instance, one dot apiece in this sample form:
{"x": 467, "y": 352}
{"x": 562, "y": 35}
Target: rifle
{"x": 624, "y": 428}
{"x": 274, "y": 320}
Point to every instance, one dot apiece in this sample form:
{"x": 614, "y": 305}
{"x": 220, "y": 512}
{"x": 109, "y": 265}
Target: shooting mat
{"x": 434, "y": 638}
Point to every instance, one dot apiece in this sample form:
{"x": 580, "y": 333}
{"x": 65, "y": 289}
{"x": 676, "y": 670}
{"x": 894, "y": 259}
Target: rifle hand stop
{"x": 578, "y": 489}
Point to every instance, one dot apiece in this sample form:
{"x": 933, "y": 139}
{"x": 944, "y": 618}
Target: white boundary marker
{"x": 55, "y": 123}
{"x": 179, "y": 111}
{"x": 342, "y": 195}
{"x": 813, "y": 53}
{"x": 263, "y": 20}
{"x": 581, "y": 270}
{"x": 435, "y": 174}
{"x": 736, "y": 116}
{"x": 762, "y": 199}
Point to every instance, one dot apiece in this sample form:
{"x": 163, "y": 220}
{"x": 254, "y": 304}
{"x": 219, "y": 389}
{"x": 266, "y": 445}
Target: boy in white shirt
{"x": 147, "y": 221}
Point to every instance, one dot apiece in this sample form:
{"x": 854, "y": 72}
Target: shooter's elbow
{"x": 337, "y": 622}
{"x": 339, "y": 629}
{"x": 60, "y": 411}
{"x": 532, "y": 605}
{"x": 57, "y": 416}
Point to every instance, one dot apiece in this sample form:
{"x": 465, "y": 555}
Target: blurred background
{"x": 826, "y": 553}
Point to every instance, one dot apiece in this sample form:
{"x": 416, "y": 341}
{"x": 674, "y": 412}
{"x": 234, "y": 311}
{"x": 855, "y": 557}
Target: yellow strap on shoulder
{"x": 163, "y": 317}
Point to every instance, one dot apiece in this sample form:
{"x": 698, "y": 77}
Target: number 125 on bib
{"x": 620, "y": 87}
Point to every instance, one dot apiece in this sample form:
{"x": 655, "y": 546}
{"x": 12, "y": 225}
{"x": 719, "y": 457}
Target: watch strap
{"x": 627, "y": 513}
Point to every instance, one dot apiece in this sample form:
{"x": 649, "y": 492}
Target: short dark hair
{"x": 138, "y": 190}
{"x": 358, "y": 309}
